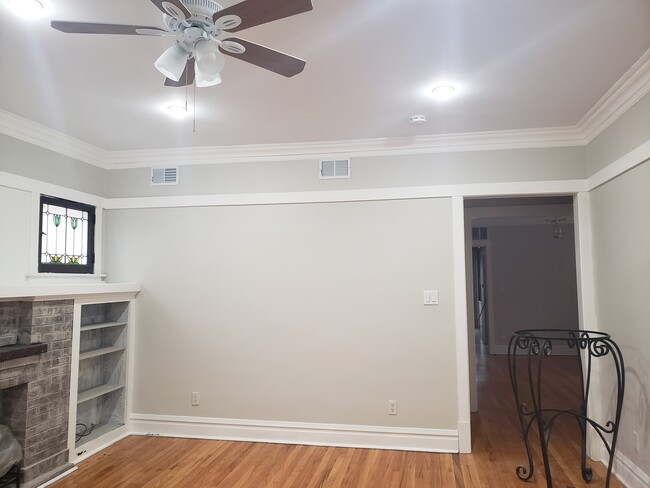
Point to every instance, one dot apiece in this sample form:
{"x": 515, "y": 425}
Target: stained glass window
{"x": 67, "y": 236}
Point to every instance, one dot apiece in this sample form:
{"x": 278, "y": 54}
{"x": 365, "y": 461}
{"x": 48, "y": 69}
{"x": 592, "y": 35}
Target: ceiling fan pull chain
{"x": 194, "y": 115}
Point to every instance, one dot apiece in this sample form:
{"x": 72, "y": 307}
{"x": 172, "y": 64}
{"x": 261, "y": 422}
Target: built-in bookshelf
{"x": 101, "y": 388}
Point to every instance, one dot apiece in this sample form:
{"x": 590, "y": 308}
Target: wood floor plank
{"x": 156, "y": 462}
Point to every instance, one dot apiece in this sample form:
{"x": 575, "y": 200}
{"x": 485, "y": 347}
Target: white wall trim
{"x": 629, "y": 473}
{"x": 340, "y": 435}
{"x": 22, "y": 183}
{"x": 628, "y": 90}
{"x": 59, "y": 477}
{"x": 389, "y": 146}
{"x": 559, "y": 187}
{"x": 28, "y": 131}
{"x": 628, "y": 161}
{"x": 460, "y": 323}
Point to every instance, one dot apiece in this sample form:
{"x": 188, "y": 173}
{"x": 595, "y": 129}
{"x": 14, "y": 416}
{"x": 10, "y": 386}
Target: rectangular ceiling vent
{"x": 334, "y": 168}
{"x": 164, "y": 176}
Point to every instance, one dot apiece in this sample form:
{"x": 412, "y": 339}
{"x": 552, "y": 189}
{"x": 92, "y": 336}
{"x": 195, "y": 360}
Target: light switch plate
{"x": 431, "y": 297}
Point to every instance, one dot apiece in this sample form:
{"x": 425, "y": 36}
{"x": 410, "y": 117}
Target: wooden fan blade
{"x": 256, "y": 12}
{"x": 91, "y": 28}
{"x": 187, "y": 78}
{"x": 173, "y": 8}
{"x": 266, "y": 58}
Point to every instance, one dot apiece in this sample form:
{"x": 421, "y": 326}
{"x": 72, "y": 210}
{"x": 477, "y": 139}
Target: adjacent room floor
{"x": 152, "y": 462}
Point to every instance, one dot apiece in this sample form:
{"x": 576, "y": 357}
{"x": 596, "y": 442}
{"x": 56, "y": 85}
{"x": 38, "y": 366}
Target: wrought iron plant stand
{"x": 531, "y": 347}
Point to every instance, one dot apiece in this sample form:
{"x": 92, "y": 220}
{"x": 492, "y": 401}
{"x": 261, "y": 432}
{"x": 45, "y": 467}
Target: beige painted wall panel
{"x": 14, "y": 236}
{"x": 621, "y": 241}
{"x": 377, "y": 172}
{"x": 297, "y": 312}
{"x": 25, "y": 159}
{"x": 631, "y": 130}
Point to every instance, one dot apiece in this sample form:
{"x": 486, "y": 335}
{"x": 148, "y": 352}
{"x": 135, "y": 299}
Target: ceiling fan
{"x": 197, "y": 25}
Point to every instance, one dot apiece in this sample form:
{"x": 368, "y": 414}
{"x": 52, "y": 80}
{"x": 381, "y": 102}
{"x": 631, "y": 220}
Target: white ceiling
{"x": 521, "y": 63}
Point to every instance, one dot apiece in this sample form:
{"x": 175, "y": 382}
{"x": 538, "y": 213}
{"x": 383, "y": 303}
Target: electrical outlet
{"x": 196, "y": 398}
{"x": 392, "y": 407}
{"x": 636, "y": 440}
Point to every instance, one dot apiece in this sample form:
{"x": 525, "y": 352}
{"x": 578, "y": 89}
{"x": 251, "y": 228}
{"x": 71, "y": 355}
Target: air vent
{"x": 164, "y": 176}
{"x": 334, "y": 168}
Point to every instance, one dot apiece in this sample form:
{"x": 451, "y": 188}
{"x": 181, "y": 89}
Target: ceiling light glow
{"x": 444, "y": 91}
{"x": 177, "y": 111}
{"x": 27, "y": 9}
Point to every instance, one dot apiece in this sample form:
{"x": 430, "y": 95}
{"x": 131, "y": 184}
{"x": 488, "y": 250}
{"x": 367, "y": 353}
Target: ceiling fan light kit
{"x": 203, "y": 81}
{"x": 198, "y": 26}
{"x": 172, "y": 62}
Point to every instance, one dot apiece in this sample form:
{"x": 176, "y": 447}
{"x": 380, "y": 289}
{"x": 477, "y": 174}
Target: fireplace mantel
{"x": 64, "y": 291}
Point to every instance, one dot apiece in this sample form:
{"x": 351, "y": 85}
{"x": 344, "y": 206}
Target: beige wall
{"x": 293, "y": 312}
{"x": 621, "y": 243}
{"x": 564, "y": 163}
{"x": 25, "y": 159}
{"x": 14, "y": 236}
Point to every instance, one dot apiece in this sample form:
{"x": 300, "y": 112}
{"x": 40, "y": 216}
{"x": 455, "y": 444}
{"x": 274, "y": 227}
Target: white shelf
{"x": 103, "y": 325}
{"x": 98, "y": 431}
{"x": 68, "y": 291}
{"x": 100, "y": 352}
{"x": 101, "y": 390}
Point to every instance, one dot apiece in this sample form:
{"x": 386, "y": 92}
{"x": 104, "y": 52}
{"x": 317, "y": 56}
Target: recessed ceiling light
{"x": 27, "y": 9}
{"x": 418, "y": 119}
{"x": 177, "y": 111}
{"x": 444, "y": 91}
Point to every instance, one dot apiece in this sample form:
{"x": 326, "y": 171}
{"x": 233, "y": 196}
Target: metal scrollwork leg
{"x": 524, "y": 473}
{"x": 534, "y": 346}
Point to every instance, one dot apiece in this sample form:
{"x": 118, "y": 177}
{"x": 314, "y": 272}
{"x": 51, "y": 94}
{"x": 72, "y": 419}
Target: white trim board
{"x": 23, "y": 183}
{"x": 629, "y": 473}
{"x": 460, "y": 324}
{"x": 625, "y": 163}
{"x": 340, "y": 435}
{"x": 629, "y": 89}
{"x": 389, "y": 146}
{"x": 39, "y": 135}
{"x": 558, "y": 187}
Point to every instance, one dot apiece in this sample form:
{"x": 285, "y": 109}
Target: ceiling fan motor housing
{"x": 202, "y": 12}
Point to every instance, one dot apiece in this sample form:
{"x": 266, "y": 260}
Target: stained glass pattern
{"x": 66, "y": 235}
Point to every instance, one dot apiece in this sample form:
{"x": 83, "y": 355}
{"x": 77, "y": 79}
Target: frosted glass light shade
{"x": 209, "y": 60}
{"x": 202, "y": 80}
{"x": 172, "y": 62}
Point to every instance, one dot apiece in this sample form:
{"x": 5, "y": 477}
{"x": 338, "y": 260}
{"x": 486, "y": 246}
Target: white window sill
{"x": 66, "y": 277}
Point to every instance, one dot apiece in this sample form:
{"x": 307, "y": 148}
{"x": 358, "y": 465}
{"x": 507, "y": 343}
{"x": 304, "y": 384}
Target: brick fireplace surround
{"x": 35, "y": 389}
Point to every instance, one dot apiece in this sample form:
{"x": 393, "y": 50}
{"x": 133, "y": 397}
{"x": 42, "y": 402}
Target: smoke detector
{"x": 418, "y": 119}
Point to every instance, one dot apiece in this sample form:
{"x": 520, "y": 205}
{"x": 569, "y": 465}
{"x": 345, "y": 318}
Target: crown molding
{"x": 628, "y": 90}
{"x": 39, "y": 135}
{"x": 477, "y": 141}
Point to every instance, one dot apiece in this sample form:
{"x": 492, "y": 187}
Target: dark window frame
{"x": 67, "y": 268}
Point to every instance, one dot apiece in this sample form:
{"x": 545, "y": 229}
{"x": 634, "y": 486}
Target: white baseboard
{"x": 629, "y": 473}
{"x": 339, "y": 435}
{"x": 98, "y": 445}
{"x": 60, "y": 477}
{"x": 464, "y": 437}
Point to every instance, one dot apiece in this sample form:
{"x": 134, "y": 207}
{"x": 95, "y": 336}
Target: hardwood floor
{"x": 154, "y": 462}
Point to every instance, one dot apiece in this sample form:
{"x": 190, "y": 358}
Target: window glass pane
{"x": 64, "y": 235}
